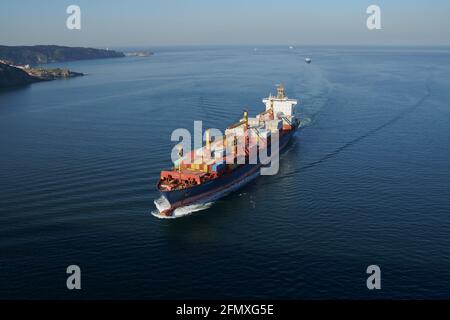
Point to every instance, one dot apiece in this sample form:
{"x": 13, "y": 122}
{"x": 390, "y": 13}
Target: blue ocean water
{"x": 366, "y": 180}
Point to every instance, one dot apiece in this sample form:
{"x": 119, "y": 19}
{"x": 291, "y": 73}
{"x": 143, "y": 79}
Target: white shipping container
{"x": 253, "y": 122}
{"x": 274, "y": 124}
{"x": 260, "y": 134}
{"x": 239, "y": 131}
{"x": 265, "y": 134}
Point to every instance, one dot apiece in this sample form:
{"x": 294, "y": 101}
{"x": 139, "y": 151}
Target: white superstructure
{"x": 281, "y": 105}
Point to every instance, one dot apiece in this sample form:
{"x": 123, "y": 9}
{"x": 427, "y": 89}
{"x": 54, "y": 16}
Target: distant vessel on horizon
{"x": 308, "y": 60}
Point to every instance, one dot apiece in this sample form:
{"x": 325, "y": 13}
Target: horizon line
{"x": 242, "y": 45}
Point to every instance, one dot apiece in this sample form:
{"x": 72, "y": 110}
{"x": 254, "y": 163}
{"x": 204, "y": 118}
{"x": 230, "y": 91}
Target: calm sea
{"x": 366, "y": 181}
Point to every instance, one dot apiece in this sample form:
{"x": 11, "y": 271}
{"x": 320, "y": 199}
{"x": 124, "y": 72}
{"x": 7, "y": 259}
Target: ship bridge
{"x": 280, "y": 103}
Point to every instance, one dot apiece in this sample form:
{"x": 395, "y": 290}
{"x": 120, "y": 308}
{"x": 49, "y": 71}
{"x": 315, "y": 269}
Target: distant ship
{"x": 308, "y": 60}
{"x": 192, "y": 182}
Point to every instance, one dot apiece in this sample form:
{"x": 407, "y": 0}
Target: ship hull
{"x": 217, "y": 188}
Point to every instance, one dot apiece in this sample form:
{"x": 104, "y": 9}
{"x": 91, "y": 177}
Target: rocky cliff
{"x": 11, "y": 76}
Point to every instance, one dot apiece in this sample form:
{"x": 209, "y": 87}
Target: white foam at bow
{"x": 163, "y": 204}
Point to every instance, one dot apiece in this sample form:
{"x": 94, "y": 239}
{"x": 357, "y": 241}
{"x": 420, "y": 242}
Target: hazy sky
{"x": 181, "y": 22}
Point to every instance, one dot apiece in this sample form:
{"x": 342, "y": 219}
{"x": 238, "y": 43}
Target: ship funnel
{"x": 280, "y": 91}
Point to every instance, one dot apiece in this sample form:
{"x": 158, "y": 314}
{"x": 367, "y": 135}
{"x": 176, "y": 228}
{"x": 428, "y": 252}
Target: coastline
{"x": 22, "y": 65}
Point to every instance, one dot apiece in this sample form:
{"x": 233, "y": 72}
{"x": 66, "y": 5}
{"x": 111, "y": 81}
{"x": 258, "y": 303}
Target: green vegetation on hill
{"x": 22, "y": 55}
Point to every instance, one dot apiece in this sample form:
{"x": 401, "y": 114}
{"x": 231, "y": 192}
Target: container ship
{"x": 196, "y": 178}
